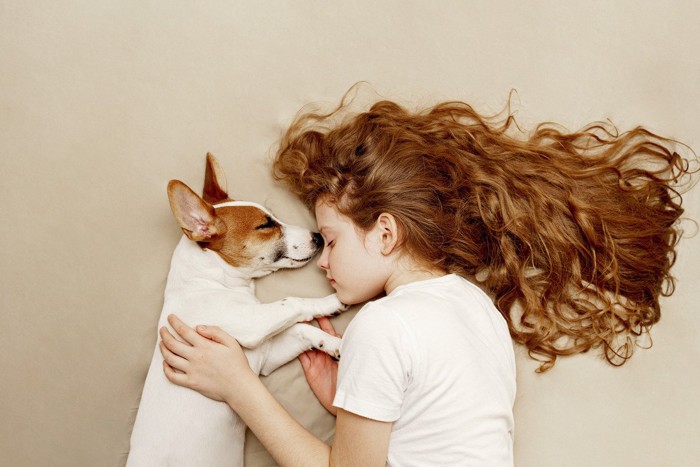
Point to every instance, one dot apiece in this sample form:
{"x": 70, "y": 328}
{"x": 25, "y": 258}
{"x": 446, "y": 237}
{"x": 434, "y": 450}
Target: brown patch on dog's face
{"x": 245, "y": 235}
{"x": 252, "y": 237}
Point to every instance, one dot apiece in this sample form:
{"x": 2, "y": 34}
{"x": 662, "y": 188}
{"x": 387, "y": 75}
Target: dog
{"x": 226, "y": 245}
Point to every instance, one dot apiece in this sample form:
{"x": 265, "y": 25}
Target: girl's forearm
{"x": 289, "y": 443}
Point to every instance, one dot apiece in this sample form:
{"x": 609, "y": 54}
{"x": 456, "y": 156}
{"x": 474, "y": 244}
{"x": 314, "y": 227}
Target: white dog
{"x": 226, "y": 245}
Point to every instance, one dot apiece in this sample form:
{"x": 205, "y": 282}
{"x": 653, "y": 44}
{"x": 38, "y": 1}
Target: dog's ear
{"x": 215, "y": 190}
{"x": 197, "y": 218}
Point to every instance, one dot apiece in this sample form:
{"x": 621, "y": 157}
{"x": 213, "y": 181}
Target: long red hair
{"x": 573, "y": 234}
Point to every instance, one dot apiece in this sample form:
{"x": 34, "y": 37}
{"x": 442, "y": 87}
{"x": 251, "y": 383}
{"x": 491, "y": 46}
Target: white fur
{"x": 179, "y": 427}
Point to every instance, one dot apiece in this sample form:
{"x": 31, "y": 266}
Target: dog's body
{"x": 176, "y": 426}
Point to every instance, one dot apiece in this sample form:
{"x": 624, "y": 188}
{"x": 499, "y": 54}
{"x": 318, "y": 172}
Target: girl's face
{"x": 353, "y": 260}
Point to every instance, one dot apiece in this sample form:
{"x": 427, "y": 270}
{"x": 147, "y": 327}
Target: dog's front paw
{"x": 333, "y": 306}
{"x": 342, "y": 308}
{"x": 330, "y": 345}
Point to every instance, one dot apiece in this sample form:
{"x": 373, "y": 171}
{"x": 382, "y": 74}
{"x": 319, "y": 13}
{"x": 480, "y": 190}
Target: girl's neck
{"x": 409, "y": 274}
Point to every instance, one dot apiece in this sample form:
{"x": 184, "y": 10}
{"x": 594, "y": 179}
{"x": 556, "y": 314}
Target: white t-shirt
{"x": 436, "y": 358}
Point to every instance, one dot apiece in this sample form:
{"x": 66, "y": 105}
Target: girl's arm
{"x": 214, "y": 364}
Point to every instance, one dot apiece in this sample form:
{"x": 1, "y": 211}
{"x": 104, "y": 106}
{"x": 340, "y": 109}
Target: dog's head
{"x": 245, "y": 235}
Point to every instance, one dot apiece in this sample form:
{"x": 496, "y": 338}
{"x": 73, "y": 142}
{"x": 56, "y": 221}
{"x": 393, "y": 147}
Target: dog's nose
{"x": 317, "y": 239}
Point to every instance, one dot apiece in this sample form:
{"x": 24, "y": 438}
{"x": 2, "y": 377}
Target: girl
{"x": 573, "y": 234}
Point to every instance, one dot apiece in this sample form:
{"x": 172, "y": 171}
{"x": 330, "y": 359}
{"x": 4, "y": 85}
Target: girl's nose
{"x": 323, "y": 259}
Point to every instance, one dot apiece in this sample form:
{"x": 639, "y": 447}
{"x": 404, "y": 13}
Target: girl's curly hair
{"x": 573, "y": 234}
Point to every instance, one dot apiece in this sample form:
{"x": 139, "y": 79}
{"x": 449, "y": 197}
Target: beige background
{"x": 102, "y": 102}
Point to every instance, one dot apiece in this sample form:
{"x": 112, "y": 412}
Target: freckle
{"x": 261, "y": 258}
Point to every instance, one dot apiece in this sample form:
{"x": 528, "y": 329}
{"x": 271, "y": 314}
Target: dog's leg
{"x": 272, "y": 318}
{"x": 306, "y": 309}
{"x": 291, "y": 342}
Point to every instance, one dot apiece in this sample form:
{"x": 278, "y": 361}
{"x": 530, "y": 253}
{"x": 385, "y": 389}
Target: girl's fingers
{"x": 217, "y": 334}
{"x": 173, "y": 345}
{"x": 174, "y": 361}
{"x": 326, "y": 325}
{"x": 173, "y": 375}
{"x": 184, "y": 331}
{"x": 305, "y": 361}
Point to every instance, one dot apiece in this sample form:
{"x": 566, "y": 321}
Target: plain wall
{"x": 102, "y": 102}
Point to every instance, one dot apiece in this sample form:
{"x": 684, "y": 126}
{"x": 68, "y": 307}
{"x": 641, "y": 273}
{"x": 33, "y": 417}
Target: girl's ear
{"x": 389, "y": 233}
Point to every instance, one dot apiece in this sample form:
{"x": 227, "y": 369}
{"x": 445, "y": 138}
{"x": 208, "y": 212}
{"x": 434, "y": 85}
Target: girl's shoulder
{"x": 446, "y": 290}
{"x": 380, "y": 324}
{"x": 377, "y": 314}
{"x": 426, "y": 306}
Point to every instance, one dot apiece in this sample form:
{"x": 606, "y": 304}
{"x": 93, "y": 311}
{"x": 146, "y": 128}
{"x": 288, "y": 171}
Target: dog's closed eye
{"x": 269, "y": 224}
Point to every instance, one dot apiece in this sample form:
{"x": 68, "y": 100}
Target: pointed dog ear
{"x": 215, "y": 189}
{"x": 196, "y": 217}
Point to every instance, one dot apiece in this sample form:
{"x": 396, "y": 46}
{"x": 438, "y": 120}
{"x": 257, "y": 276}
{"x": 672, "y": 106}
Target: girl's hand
{"x": 321, "y": 370}
{"x": 209, "y": 361}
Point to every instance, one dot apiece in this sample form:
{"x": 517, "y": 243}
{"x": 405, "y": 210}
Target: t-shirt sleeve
{"x": 376, "y": 364}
